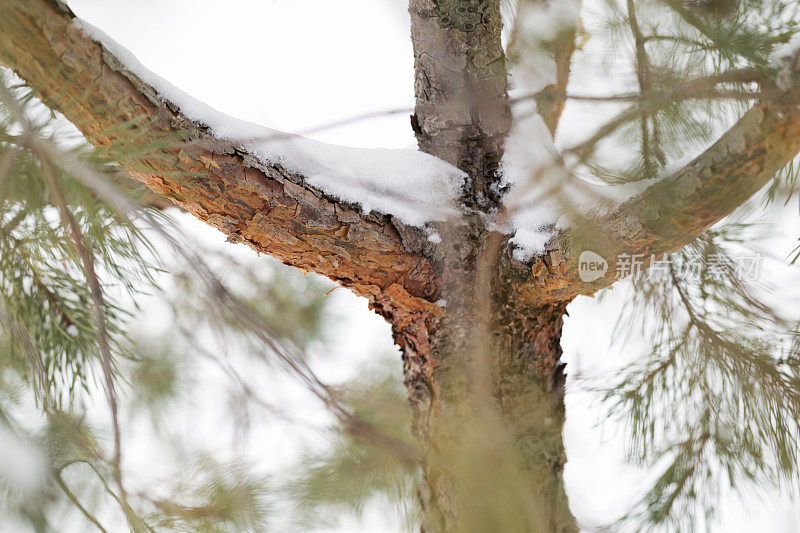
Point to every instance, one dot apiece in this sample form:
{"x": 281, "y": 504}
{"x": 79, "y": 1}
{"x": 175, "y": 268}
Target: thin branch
{"x": 677, "y": 209}
{"x": 649, "y": 104}
{"x": 75, "y": 502}
{"x": 95, "y": 288}
{"x": 96, "y": 291}
{"x": 643, "y": 77}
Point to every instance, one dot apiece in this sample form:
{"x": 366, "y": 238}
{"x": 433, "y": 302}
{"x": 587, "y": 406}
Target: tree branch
{"x": 272, "y": 210}
{"x": 551, "y": 104}
{"x": 676, "y": 210}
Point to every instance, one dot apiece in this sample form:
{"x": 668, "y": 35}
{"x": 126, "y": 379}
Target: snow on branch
{"x": 410, "y": 185}
{"x": 251, "y": 199}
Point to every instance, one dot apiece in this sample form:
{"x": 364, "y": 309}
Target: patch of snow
{"x": 527, "y": 242}
{"x": 544, "y": 196}
{"x": 435, "y": 238}
{"x": 410, "y": 185}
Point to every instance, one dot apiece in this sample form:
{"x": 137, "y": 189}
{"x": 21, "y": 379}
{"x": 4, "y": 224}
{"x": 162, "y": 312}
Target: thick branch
{"x": 272, "y": 210}
{"x": 674, "y": 211}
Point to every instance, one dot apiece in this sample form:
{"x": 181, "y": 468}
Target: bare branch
{"x": 675, "y": 210}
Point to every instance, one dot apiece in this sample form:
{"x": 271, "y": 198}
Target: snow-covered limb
{"x": 283, "y": 195}
{"x": 410, "y": 185}
{"x": 275, "y": 208}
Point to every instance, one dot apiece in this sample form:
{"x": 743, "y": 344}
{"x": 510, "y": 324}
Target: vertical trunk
{"x": 492, "y": 426}
{"x": 485, "y": 380}
{"x": 462, "y": 114}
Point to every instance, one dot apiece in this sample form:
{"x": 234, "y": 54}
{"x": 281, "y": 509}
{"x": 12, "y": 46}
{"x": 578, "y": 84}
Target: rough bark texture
{"x": 671, "y": 213}
{"x": 462, "y": 114}
{"x": 270, "y": 209}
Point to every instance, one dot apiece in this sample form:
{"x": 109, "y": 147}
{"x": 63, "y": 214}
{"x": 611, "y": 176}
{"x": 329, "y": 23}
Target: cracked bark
{"x": 270, "y": 209}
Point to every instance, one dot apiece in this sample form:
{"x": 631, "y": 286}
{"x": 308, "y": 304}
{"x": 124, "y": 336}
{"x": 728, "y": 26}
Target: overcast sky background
{"x": 296, "y": 64}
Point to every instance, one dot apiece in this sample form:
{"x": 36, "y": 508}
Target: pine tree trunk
{"x": 485, "y": 379}
{"x": 489, "y": 408}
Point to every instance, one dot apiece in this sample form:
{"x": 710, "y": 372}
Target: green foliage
{"x": 45, "y": 313}
{"x": 717, "y": 398}
{"x": 290, "y": 306}
{"x": 350, "y": 473}
{"x": 714, "y": 401}
{"x": 219, "y": 498}
{"x": 695, "y": 70}
{"x": 785, "y": 185}
{"x": 49, "y": 336}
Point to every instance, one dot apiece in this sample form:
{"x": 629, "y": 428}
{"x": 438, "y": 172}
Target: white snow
{"x": 413, "y": 186}
{"x": 528, "y": 242}
{"x": 545, "y": 195}
{"x": 410, "y": 185}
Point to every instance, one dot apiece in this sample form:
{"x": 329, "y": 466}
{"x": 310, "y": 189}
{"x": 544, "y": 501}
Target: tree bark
{"x": 266, "y": 207}
{"x": 491, "y": 381}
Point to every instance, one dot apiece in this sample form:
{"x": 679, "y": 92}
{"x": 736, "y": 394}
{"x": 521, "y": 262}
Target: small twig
{"x": 96, "y": 291}
{"x": 74, "y": 499}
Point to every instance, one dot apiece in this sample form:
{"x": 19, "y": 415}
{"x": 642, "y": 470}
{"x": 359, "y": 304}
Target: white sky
{"x": 295, "y": 64}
